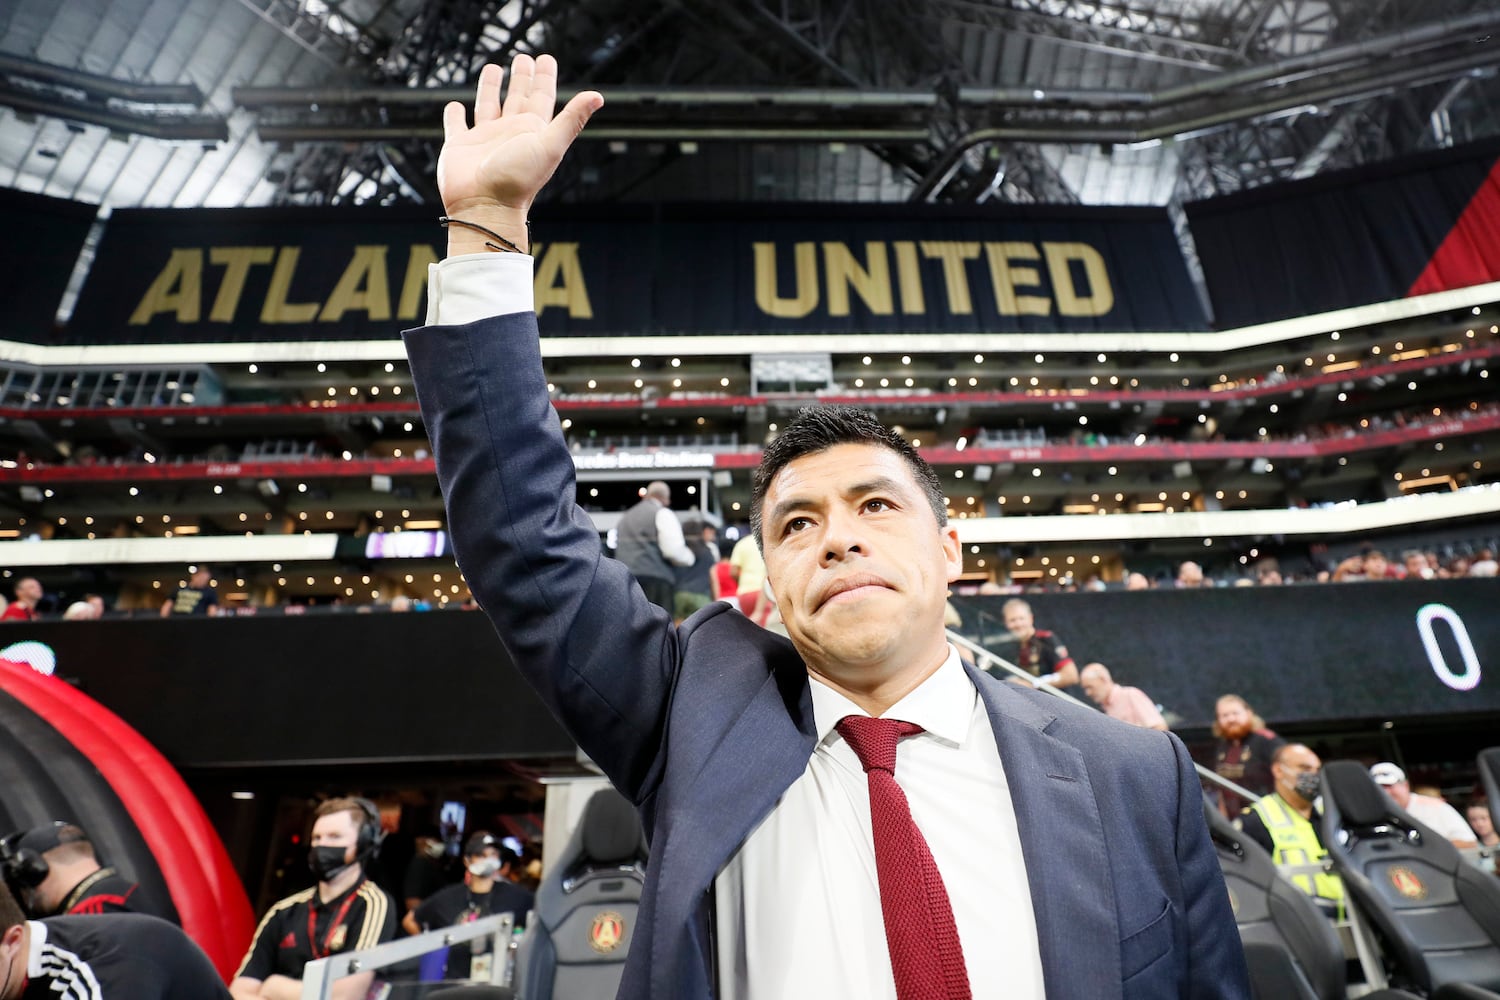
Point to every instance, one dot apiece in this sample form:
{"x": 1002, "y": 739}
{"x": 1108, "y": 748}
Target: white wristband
{"x": 1048, "y": 679}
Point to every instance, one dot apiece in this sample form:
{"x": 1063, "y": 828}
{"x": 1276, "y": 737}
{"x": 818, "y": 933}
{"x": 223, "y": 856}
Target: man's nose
{"x": 842, "y": 535}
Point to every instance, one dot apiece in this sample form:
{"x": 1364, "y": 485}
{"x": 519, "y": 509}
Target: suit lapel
{"x": 1063, "y": 841}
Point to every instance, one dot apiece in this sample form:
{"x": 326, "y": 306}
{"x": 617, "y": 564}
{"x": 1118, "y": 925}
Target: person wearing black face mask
{"x": 1288, "y": 824}
{"x": 486, "y": 891}
{"x": 110, "y": 956}
{"x": 343, "y": 912}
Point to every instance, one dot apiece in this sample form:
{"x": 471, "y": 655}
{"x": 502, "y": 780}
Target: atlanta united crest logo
{"x": 1406, "y": 882}
{"x": 606, "y": 932}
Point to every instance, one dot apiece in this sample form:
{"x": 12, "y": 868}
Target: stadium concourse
{"x": 1193, "y": 306}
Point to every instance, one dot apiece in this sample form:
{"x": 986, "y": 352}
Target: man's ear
{"x": 953, "y": 552}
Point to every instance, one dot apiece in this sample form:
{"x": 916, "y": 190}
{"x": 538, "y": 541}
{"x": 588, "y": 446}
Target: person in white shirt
{"x": 1432, "y": 813}
{"x": 650, "y": 543}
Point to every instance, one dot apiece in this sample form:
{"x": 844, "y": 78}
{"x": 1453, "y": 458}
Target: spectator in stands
{"x": 1431, "y": 812}
{"x": 54, "y": 870}
{"x": 486, "y": 891}
{"x": 1268, "y": 572}
{"x": 96, "y": 602}
{"x": 1243, "y": 750}
{"x": 1190, "y": 576}
{"x": 1416, "y": 566}
{"x": 1482, "y": 822}
{"x": 116, "y": 956}
{"x": 197, "y": 598}
{"x": 1137, "y": 581}
{"x": 28, "y": 591}
{"x": 725, "y": 586}
{"x": 650, "y": 544}
{"x": 79, "y": 611}
{"x": 695, "y": 583}
{"x": 1288, "y": 824}
{"x": 345, "y": 911}
{"x": 749, "y": 572}
{"x": 1038, "y": 652}
{"x": 1484, "y": 564}
{"x": 425, "y": 873}
{"x": 1119, "y": 701}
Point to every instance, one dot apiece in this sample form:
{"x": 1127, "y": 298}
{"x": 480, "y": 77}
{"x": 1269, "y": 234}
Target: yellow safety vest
{"x": 1296, "y": 843}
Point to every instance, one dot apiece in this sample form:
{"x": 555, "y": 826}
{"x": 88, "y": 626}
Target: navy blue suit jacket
{"x": 704, "y": 726}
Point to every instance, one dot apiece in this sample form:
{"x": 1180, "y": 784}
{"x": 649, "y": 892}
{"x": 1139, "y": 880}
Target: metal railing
{"x": 983, "y": 657}
{"x": 319, "y": 976}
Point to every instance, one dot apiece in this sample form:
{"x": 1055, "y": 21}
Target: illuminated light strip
{"x": 1344, "y": 519}
{"x": 1411, "y": 484}
{"x": 232, "y": 549}
{"x": 1342, "y": 366}
{"x": 629, "y": 346}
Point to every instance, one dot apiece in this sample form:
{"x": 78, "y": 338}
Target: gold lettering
{"x": 1101, "y": 297}
{"x": 559, "y": 281}
{"x": 276, "y": 309}
{"x": 1005, "y": 277}
{"x": 842, "y": 271}
{"x": 955, "y": 276}
{"x": 805, "y": 299}
{"x": 415, "y": 283}
{"x": 177, "y": 289}
{"x": 361, "y": 288}
{"x": 236, "y": 262}
{"x": 909, "y": 277}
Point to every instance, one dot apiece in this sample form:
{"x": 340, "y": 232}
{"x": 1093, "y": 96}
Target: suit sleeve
{"x": 575, "y": 623}
{"x": 1215, "y": 958}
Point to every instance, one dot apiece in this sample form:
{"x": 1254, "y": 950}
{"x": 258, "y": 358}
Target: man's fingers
{"x": 487, "y": 98}
{"x": 455, "y": 122}
{"x": 522, "y": 70}
{"x": 563, "y": 129}
{"x": 543, "y": 96}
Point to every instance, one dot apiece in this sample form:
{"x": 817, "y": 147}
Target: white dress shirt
{"x": 798, "y": 905}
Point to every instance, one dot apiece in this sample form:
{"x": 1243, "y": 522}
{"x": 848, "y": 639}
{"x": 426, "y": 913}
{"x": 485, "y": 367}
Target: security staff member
{"x": 343, "y": 912}
{"x": 54, "y": 870}
{"x": 1287, "y": 824}
{"x": 113, "y": 956}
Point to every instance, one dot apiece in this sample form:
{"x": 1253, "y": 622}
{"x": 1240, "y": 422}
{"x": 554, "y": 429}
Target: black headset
{"x": 24, "y": 868}
{"x": 367, "y": 847}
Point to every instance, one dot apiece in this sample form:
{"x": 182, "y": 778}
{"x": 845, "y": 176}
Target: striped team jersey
{"x": 117, "y": 956}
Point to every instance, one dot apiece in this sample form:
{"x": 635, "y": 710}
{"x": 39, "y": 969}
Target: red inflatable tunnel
{"x": 203, "y": 885}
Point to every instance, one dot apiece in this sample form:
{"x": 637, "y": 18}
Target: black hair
{"x": 818, "y": 428}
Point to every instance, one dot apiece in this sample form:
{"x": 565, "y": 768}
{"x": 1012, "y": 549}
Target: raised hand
{"x": 491, "y": 173}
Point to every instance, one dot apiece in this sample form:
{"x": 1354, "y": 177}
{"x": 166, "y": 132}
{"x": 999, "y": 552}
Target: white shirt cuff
{"x": 476, "y": 286}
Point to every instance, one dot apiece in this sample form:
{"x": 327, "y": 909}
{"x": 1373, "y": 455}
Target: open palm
{"x": 512, "y": 150}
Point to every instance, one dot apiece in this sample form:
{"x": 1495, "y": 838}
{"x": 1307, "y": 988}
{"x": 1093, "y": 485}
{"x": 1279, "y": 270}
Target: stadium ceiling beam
{"x": 1111, "y": 29}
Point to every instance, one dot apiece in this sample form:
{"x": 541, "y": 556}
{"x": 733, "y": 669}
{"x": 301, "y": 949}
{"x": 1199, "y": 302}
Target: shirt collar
{"x": 943, "y": 704}
{"x": 38, "y": 942}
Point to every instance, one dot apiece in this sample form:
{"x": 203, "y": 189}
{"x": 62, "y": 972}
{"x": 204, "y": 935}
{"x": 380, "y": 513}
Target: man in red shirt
{"x": 23, "y": 608}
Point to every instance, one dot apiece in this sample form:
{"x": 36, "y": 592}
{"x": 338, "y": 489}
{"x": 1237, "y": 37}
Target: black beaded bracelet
{"x": 507, "y": 246}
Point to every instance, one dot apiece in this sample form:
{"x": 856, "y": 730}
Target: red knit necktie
{"x": 926, "y": 955}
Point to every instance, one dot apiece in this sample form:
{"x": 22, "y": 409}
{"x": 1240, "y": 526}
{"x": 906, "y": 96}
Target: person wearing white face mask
{"x": 486, "y": 891}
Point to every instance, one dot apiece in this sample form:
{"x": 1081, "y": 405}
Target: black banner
{"x": 1301, "y": 653}
{"x": 1408, "y": 227}
{"x": 193, "y": 276}
{"x": 36, "y": 260}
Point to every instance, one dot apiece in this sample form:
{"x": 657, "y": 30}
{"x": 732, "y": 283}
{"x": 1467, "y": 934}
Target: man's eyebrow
{"x": 785, "y": 507}
{"x": 880, "y": 484}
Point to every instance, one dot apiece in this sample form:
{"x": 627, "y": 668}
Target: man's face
{"x": 858, "y": 564}
{"x": 1294, "y": 762}
{"x": 1019, "y": 621}
{"x": 1233, "y": 717}
{"x": 1375, "y": 564}
{"x": 1095, "y": 687}
{"x": 1400, "y": 792}
{"x": 29, "y": 590}
{"x": 336, "y": 830}
{"x": 1480, "y": 821}
{"x": 200, "y": 579}
{"x": 1416, "y": 564}
{"x": 1190, "y": 576}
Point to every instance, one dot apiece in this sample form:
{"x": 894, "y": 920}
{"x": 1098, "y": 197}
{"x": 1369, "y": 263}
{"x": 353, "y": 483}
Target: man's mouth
{"x": 851, "y": 589}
